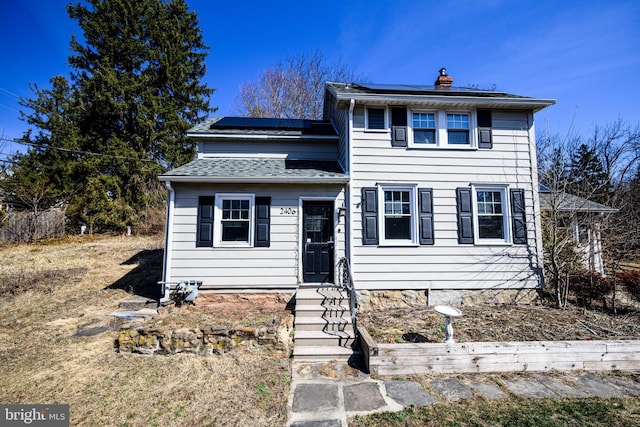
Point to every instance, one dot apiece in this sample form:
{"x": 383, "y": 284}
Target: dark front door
{"x": 317, "y": 238}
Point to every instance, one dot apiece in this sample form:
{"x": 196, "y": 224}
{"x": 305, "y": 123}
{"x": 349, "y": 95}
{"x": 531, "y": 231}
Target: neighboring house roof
{"x": 218, "y": 126}
{"x": 258, "y": 170}
{"x": 456, "y": 96}
{"x": 566, "y": 202}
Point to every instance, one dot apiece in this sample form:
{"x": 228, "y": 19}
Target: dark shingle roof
{"x": 258, "y": 169}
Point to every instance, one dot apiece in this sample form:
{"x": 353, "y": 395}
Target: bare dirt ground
{"x": 227, "y": 310}
{"x": 502, "y": 323}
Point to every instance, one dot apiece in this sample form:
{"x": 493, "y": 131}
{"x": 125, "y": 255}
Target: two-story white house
{"x": 421, "y": 188}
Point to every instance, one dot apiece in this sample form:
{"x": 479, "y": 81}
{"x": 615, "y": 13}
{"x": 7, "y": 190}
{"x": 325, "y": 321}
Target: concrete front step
{"x": 314, "y": 323}
{"x": 320, "y": 338}
{"x": 322, "y": 354}
{"x": 321, "y": 296}
{"x": 308, "y": 310}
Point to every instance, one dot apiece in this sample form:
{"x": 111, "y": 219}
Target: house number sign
{"x": 287, "y": 211}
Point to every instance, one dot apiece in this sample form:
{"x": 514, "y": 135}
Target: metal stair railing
{"x": 345, "y": 282}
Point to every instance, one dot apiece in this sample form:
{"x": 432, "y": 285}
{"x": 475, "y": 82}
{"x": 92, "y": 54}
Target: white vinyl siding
{"x": 446, "y": 264}
{"x": 277, "y": 267}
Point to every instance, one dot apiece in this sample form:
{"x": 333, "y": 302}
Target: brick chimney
{"x": 443, "y": 81}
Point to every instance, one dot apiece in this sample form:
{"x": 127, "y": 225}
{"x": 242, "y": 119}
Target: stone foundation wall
{"x": 373, "y": 300}
{"x": 207, "y": 341}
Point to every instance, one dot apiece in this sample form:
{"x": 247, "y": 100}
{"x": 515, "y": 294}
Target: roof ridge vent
{"x": 444, "y": 80}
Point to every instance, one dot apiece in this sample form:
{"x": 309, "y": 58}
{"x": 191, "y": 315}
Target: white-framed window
{"x": 424, "y": 127}
{"x": 397, "y": 215}
{"x": 491, "y": 219}
{"x": 376, "y": 118}
{"x": 234, "y": 219}
{"x": 442, "y": 129}
{"x": 458, "y": 129}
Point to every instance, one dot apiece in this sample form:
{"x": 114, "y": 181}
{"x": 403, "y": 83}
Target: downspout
{"x": 536, "y": 200}
{"x": 352, "y": 105}
{"x": 168, "y": 244}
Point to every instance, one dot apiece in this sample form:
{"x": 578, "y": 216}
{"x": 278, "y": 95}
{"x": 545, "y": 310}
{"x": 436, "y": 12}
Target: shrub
{"x": 631, "y": 282}
{"x": 590, "y": 285}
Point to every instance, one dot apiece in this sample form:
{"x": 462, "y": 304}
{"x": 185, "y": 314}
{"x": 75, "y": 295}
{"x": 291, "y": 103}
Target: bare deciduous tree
{"x": 292, "y": 89}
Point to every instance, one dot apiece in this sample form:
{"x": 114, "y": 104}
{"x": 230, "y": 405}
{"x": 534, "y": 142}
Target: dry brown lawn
{"x": 48, "y": 291}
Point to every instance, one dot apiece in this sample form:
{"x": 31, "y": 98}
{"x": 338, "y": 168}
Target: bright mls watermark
{"x": 34, "y": 415}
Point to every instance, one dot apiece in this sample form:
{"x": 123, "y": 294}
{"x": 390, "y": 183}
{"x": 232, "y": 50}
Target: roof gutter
{"x": 211, "y": 135}
{"x": 536, "y": 104}
{"x": 255, "y": 180}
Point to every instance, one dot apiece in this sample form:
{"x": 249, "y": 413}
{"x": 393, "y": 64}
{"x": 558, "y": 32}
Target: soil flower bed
{"x": 501, "y": 323}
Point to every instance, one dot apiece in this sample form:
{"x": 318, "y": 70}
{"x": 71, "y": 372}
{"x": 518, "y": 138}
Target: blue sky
{"x": 585, "y": 54}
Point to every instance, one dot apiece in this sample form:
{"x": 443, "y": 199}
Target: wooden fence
{"x": 29, "y": 227}
{"x": 524, "y": 356}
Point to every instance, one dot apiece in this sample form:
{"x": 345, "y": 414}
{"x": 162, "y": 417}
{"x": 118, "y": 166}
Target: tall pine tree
{"x": 134, "y": 90}
{"x": 587, "y": 177}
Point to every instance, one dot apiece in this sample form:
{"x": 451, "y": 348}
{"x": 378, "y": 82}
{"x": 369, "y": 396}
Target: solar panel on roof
{"x": 261, "y": 123}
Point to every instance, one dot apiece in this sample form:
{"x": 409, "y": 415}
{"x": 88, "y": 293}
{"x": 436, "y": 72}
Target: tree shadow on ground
{"x": 143, "y": 279}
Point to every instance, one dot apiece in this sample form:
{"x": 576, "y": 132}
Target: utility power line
{"x": 113, "y": 156}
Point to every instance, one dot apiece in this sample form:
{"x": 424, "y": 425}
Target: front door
{"x": 317, "y": 238}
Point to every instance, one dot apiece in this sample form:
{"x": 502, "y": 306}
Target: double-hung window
{"x": 398, "y": 215}
{"x": 234, "y": 219}
{"x": 492, "y": 220}
{"x": 424, "y": 128}
{"x": 458, "y": 129}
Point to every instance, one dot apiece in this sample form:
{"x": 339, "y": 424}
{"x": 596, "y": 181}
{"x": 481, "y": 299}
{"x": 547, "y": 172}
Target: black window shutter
{"x": 518, "y": 217}
{"x": 263, "y": 222}
{"x": 369, "y": 208}
{"x": 399, "y": 127}
{"x": 425, "y": 205}
{"x": 485, "y": 139}
{"x": 205, "y": 222}
{"x": 465, "y": 215}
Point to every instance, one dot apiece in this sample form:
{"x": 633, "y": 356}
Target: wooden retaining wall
{"x": 522, "y": 356}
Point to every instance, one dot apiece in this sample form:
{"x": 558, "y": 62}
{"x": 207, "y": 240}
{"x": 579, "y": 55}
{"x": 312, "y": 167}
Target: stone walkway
{"x": 324, "y": 395}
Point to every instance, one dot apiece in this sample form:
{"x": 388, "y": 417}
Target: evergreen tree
{"x": 587, "y": 177}
{"x": 134, "y": 91}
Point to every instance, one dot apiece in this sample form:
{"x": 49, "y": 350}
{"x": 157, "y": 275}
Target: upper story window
{"x": 376, "y": 118}
{"x": 424, "y": 128}
{"x": 442, "y": 129}
{"x": 458, "y": 129}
